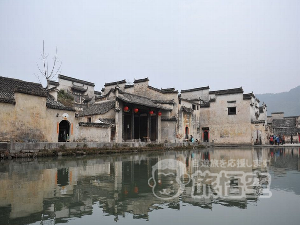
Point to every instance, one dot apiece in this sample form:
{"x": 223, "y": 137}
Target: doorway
{"x": 206, "y": 136}
{"x": 64, "y": 131}
{"x": 186, "y": 133}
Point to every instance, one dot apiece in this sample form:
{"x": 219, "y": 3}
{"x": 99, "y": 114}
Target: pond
{"x": 208, "y": 186}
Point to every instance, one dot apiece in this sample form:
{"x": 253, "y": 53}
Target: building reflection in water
{"x": 60, "y": 189}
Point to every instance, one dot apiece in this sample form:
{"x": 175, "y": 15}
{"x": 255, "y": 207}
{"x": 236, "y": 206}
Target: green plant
{"x": 65, "y": 98}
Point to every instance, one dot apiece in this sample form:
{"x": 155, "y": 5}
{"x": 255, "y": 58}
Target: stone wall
{"x": 94, "y": 134}
{"x": 24, "y": 121}
{"x": 168, "y": 131}
{"x": 202, "y": 94}
{"x": 224, "y": 128}
{"x": 30, "y": 121}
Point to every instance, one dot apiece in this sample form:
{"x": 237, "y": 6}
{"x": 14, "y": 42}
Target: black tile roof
{"x": 115, "y": 83}
{"x": 192, "y": 101}
{"x": 277, "y": 113}
{"x": 286, "y": 122}
{"x": 140, "y": 80}
{"x": 98, "y": 108}
{"x": 257, "y": 121}
{"x": 129, "y": 86}
{"x": 247, "y": 96}
{"x": 108, "y": 121}
{"x": 286, "y": 130}
{"x": 99, "y": 125}
{"x": 228, "y": 91}
{"x": 170, "y": 102}
{"x": 10, "y": 86}
{"x": 78, "y": 88}
{"x": 205, "y": 105}
{"x": 164, "y": 91}
{"x": 97, "y": 92}
{"x": 168, "y": 90}
{"x": 54, "y": 83}
{"x": 195, "y": 89}
{"x": 139, "y": 100}
{"x": 75, "y": 80}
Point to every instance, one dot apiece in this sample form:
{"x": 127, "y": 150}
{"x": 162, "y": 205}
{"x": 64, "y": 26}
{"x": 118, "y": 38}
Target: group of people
{"x": 277, "y": 140}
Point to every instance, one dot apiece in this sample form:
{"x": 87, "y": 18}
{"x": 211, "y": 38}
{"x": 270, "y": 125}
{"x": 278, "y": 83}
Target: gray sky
{"x": 176, "y": 43}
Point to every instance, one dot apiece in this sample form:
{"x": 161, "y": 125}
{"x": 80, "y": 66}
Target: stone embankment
{"x": 43, "y": 149}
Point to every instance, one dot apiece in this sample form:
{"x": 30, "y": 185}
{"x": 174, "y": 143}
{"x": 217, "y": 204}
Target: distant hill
{"x": 287, "y": 102}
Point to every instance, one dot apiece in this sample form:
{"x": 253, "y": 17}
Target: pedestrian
{"x": 292, "y": 141}
{"x": 278, "y": 141}
{"x": 271, "y": 140}
{"x": 192, "y": 138}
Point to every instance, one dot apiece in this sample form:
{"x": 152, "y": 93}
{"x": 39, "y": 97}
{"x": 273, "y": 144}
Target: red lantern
{"x": 126, "y": 109}
{"x": 136, "y": 110}
{"x": 151, "y": 112}
{"x": 159, "y": 113}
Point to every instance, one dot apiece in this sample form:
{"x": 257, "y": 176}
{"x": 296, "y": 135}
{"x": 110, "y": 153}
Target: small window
{"x": 197, "y": 107}
{"x": 89, "y": 119}
{"x": 194, "y": 107}
{"x": 179, "y": 101}
{"x": 231, "y": 110}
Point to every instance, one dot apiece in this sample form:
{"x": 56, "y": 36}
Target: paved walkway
{"x": 285, "y": 145}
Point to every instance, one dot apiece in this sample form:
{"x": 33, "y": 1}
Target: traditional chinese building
{"x": 30, "y": 113}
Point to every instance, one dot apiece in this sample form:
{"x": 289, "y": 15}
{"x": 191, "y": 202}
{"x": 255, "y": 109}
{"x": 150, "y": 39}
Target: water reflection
{"x": 59, "y": 189}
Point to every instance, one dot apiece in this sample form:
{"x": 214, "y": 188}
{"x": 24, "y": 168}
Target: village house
{"x": 82, "y": 91}
{"x": 136, "y": 112}
{"x": 29, "y": 113}
{"x": 232, "y": 117}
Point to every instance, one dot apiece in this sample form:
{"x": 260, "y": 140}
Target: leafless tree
{"x": 44, "y": 70}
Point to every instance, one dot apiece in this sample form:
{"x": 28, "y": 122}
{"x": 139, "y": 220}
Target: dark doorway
{"x": 186, "y": 133}
{"x": 153, "y": 128}
{"x": 127, "y": 126}
{"x": 64, "y": 131}
{"x": 206, "y": 136}
{"x": 113, "y": 134}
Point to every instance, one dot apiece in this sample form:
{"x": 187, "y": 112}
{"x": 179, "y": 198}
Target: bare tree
{"x": 44, "y": 69}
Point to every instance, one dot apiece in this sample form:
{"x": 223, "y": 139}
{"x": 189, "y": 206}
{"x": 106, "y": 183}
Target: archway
{"x": 64, "y": 131}
{"x": 186, "y": 133}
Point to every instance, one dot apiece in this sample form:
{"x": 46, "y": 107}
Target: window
{"x": 89, "y": 119}
{"x": 194, "y": 107}
{"x": 231, "y": 110}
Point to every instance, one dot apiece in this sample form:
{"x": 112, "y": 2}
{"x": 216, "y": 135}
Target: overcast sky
{"x": 175, "y": 43}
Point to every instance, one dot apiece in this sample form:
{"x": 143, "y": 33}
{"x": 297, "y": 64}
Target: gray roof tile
{"x": 98, "y": 109}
